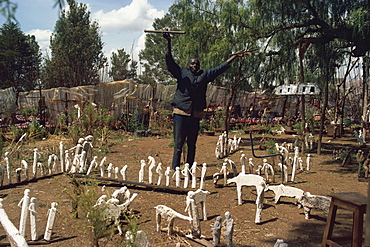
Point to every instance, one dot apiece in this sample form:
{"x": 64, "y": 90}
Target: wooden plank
{"x": 164, "y": 31}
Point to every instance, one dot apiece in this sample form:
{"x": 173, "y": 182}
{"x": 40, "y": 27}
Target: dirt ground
{"x": 279, "y": 221}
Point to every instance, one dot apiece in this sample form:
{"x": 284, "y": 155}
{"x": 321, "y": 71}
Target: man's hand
{"x": 167, "y": 36}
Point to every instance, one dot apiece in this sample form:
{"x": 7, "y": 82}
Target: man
{"x": 189, "y": 100}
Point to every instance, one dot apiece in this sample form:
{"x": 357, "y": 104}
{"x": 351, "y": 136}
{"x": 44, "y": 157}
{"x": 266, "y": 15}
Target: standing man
{"x": 189, "y": 100}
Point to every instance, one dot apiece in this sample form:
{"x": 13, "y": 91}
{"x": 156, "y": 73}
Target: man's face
{"x": 194, "y": 65}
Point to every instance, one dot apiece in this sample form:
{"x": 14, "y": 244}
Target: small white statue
{"x": 116, "y": 171}
{"x": 24, "y": 204}
{"x": 193, "y": 172}
{"x": 109, "y": 170}
{"x": 152, "y": 165}
{"x": 62, "y": 158}
{"x": 34, "y": 164}
{"x": 176, "y": 174}
{"x": 203, "y": 176}
{"x": 243, "y": 161}
{"x": 251, "y": 165}
{"x": 185, "y": 172}
{"x": 51, "y": 219}
{"x": 8, "y": 165}
{"x": 159, "y": 171}
{"x": 308, "y": 162}
{"x": 142, "y": 171}
{"x": 167, "y": 174}
{"x": 123, "y": 172}
{"x": 33, "y": 218}
{"x": 216, "y": 231}
{"x": 25, "y": 168}
{"x": 229, "y": 229}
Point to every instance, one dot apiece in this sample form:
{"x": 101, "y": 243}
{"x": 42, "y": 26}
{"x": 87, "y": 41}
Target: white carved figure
{"x": 216, "y": 231}
{"x": 123, "y": 172}
{"x": 193, "y": 172}
{"x": 219, "y": 147}
{"x": 250, "y": 165}
{"x": 152, "y": 165}
{"x": 300, "y": 163}
{"x": 200, "y": 197}
{"x": 295, "y": 162}
{"x": 232, "y": 166}
{"x": 33, "y": 218}
{"x": 55, "y": 161}
{"x": 109, "y": 170}
{"x": 167, "y": 213}
{"x": 93, "y": 164}
{"x": 8, "y": 165}
{"x": 308, "y": 162}
{"x": 282, "y": 190}
{"x": 267, "y": 168}
{"x": 36, "y": 154}
{"x": 259, "y": 170}
{"x": 101, "y": 166}
{"x": 245, "y": 180}
{"x": 62, "y": 158}
{"x": 101, "y": 200}
{"x": 284, "y": 151}
{"x": 116, "y": 171}
{"x": 18, "y": 174}
{"x": 243, "y": 161}
{"x": 225, "y": 144}
{"x": 51, "y": 219}
{"x": 87, "y": 147}
{"x": 82, "y": 162}
{"x": 359, "y": 137}
{"x": 192, "y": 209}
{"x": 50, "y": 165}
{"x": 289, "y": 146}
{"x": 25, "y": 169}
{"x": 42, "y": 168}
{"x": 140, "y": 238}
{"x": 280, "y": 243}
{"x": 185, "y": 172}
{"x": 67, "y": 160}
{"x": 177, "y": 174}
{"x": 142, "y": 171}
{"x": 284, "y": 169}
{"x": 259, "y": 201}
{"x": 159, "y": 171}
{"x": 203, "y": 176}
{"x": 228, "y": 224}
{"x": 308, "y": 202}
{"x": 167, "y": 174}
{"x": 24, "y": 204}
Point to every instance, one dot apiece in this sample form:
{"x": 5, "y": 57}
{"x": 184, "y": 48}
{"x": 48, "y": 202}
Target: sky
{"x": 122, "y": 22}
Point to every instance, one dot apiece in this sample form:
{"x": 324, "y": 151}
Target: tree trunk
{"x": 322, "y": 119}
{"x": 365, "y": 90}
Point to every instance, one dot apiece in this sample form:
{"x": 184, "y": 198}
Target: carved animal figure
{"x": 113, "y": 211}
{"x": 245, "y": 180}
{"x": 308, "y": 202}
{"x": 200, "y": 197}
{"x": 162, "y": 211}
{"x": 282, "y": 190}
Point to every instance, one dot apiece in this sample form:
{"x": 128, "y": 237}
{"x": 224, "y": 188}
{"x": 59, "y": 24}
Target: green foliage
{"x": 270, "y": 146}
{"x": 76, "y": 50}
{"x": 298, "y": 127}
{"x": 94, "y": 120}
{"x": 7, "y": 9}
{"x": 20, "y": 59}
{"x": 84, "y": 197}
{"x": 27, "y": 112}
{"x": 122, "y": 66}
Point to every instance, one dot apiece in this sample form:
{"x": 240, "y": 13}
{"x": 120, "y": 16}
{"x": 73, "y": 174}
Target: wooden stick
{"x": 164, "y": 31}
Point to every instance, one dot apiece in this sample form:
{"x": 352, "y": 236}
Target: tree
{"x": 122, "y": 66}
{"x": 20, "y": 59}
{"x": 76, "y": 50}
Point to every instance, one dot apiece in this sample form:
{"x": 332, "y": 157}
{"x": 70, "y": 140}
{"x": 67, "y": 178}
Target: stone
{"x": 216, "y": 231}
{"x": 33, "y": 218}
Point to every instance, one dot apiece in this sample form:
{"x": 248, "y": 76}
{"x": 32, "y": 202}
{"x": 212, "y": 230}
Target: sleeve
{"x": 172, "y": 66}
{"x": 215, "y": 72}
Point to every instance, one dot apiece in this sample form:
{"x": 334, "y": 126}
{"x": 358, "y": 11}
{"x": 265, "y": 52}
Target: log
{"x": 164, "y": 31}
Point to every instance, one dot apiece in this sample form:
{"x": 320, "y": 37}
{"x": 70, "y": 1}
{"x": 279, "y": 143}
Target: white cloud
{"x": 137, "y": 16}
{"x": 42, "y": 38}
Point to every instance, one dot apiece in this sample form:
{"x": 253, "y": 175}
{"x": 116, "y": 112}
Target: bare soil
{"x": 279, "y": 221}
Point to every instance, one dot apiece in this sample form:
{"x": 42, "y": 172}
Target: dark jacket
{"x": 191, "y": 89}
